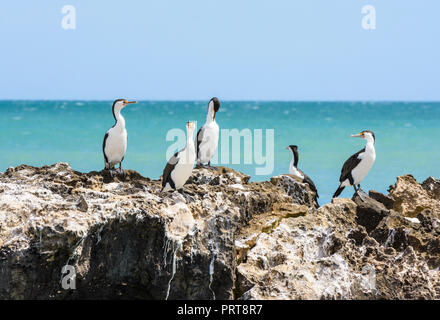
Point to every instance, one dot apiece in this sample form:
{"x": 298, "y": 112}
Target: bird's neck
{"x": 370, "y": 147}
{"x": 189, "y": 139}
{"x": 294, "y": 170}
{"x": 210, "y": 115}
{"x": 120, "y": 121}
{"x": 295, "y": 158}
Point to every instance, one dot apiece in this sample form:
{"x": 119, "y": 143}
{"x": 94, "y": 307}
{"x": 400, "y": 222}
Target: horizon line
{"x": 226, "y": 100}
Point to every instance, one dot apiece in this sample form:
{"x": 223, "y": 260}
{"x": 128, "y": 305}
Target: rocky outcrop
{"x": 230, "y": 239}
{"x": 411, "y": 198}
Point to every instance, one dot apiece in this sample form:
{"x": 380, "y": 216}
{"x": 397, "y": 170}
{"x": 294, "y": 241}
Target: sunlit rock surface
{"x": 227, "y": 239}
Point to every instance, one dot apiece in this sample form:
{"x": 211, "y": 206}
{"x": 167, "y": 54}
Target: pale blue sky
{"x": 234, "y": 49}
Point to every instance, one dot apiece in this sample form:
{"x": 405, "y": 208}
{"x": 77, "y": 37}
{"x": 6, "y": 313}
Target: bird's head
{"x": 190, "y": 128}
{"x": 292, "y": 148}
{"x": 366, "y": 134}
{"x": 120, "y": 104}
{"x": 213, "y": 107}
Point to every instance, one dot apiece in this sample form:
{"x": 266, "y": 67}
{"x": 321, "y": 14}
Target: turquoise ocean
{"x": 407, "y": 136}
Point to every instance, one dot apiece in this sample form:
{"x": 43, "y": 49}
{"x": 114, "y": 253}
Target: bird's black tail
{"x": 338, "y": 192}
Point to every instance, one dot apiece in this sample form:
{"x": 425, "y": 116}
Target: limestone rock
{"x": 124, "y": 238}
{"x": 380, "y": 197}
{"x": 411, "y": 198}
{"x": 300, "y": 192}
{"x": 234, "y": 240}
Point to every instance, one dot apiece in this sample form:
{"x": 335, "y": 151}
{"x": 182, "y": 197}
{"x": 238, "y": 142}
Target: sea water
{"x": 407, "y": 136}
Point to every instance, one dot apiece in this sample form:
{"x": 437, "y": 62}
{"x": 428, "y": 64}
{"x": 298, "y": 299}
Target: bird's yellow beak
{"x": 129, "y": 102}
{"x": 190, "y": 125}
{"x": 360, "y": 135}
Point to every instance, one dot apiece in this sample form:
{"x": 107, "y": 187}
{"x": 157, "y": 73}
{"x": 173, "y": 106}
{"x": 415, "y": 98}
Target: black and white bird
{"x": 207, "y": 136}
{"x": 114, "y": 145}
{"x": 180, "y": 166}
{"x": 356, "y": 168}
{"x": 293, "y": 170}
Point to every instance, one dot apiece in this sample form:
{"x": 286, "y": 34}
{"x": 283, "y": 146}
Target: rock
{"x": 234, "y": 240}
{"x": 432, "y": 186}
{"x": 380, "y": 197}
{"x": 218, "y": 176}
{"x": 300, "y": 192}
{"x": 116, "y": 232}
{"x": 82, "y": 204}
{"x": 429, "y": 221}
{"x": 344, "y": 250}
{"x": 411, "y": 198}
{"x": 369, "y": 212}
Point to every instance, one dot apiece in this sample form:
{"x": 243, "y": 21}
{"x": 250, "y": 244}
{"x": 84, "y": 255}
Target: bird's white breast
{"x": 208, "y": 146}
{"x": 116, "y": 145}
{"x": 183, "y": 169}
{"x": 294, "y": 171}
{"x": 367, "y": 160}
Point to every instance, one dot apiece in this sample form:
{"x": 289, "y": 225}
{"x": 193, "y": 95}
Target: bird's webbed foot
{"x": 186, "y": 195}
{"x": 122, "y": 173}
{"x": 205, "y": 166}
{"x": 111, "y": 172}
{"x": 362, "y": 194}
{"x": 211, "y": 167}
{"x": 200, "y": 166}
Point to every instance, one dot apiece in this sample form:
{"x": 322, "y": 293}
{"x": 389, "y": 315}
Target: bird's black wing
{"x": 311, "y": 184}
{"x": 103, "y": 147}
{"x": 349, "y": 165}
{"x": 166, "y": 176}
{"x": 199, "y": 138}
